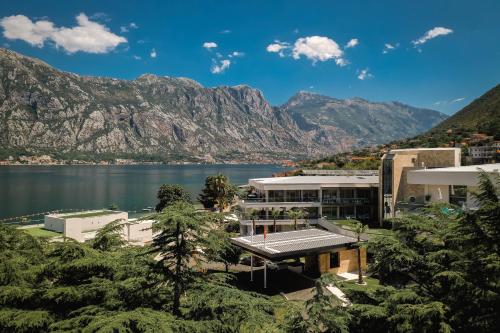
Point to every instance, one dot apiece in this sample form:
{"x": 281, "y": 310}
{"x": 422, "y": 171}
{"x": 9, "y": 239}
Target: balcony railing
{"x": 353, "y": 201}
{"x": 274, "y": 200}
{"x": 283, "y": 217}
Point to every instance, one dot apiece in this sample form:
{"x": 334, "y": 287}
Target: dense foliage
{"x": 69, "y": 286}
{"x": 169, "y": 194}
{"x": 438, "y": 273}
{"x": 441, "y": 272}
{"x": 218, "y": 192}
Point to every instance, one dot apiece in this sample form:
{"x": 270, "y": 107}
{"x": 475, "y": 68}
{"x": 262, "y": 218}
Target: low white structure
{"x": 138, "y": 231}
{"x": 453, "y": 184}
{"x": 83, "y": 226}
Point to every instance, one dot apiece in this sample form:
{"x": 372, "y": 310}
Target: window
{"x": 458, "y": 194}
{"x": 334, "y": 260}
{"x": 387, "y": 174}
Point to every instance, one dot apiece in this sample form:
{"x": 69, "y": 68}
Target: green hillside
{"x": 483, "y": 115}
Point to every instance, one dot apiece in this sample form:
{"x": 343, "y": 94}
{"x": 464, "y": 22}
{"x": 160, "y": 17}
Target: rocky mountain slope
{"x": 46, "y": 111}
{"x": 364, "y": 122}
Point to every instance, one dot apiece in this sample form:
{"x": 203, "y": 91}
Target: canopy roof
{"x": 293, "y": 244}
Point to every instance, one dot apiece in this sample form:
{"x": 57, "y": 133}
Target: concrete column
{"x": 265, "y": 274}
{"x": 355, "y": 197}
{"x": 251, "y": 268}
{"x": 320, "y": 197}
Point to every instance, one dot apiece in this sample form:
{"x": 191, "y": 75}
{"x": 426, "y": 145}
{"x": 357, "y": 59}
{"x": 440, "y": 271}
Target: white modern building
{"x": 331, "y": 197}
{"x": 83, "y": 226}
{"x": 452, "y": 185}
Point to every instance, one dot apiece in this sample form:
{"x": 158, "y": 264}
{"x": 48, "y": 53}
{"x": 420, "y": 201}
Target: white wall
{"x": 76, "y": 227}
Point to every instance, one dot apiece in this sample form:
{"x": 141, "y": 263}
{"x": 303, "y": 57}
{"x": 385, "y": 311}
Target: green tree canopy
{"x": 169, "y": 194}
{"x": 218, "y": 192}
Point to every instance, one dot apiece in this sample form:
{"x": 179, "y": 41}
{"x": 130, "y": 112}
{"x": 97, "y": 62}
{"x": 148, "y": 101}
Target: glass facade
{"x": 458, "y": 195}
{"x": 387, "y": 174}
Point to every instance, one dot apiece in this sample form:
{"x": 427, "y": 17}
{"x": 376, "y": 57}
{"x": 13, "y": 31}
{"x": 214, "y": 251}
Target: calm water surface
{"x": 34, "y": 189}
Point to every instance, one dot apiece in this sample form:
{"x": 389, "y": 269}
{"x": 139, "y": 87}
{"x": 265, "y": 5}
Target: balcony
{"x": 346, "y": 201}
{"x": 246, "y": 219}
{"x": 260, "y": 202}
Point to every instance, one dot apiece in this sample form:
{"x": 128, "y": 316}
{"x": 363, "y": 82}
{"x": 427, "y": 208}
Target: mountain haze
{"x": 47, "y": 111}
{"x": 364, "y": 122}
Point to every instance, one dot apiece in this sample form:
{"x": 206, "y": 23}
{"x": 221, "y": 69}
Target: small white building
{"x": 83, "y": 226}
{"x": 452, "y": 185}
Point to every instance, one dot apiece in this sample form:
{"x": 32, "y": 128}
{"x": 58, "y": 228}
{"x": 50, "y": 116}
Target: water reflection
{"x": 32, "y": 189}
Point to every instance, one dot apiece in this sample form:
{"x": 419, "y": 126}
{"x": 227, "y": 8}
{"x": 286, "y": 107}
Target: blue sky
{"x": 443, "y": 55}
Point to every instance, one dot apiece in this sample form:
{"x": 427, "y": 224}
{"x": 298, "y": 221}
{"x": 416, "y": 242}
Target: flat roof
{"x": 422, "y": 149}
{"x": 317, "y": 180}
{"x": 293, "y": 244}
{"x": 494, "y": 167}
{"x": 86, "y": 213}
{"x": 462, "y": 175}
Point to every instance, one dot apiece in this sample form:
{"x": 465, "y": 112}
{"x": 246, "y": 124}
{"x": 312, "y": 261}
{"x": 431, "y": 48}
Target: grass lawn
{"x": 89, "y": 214}
{"x": 42, "y": 233}
{"x": 371, "y": 284}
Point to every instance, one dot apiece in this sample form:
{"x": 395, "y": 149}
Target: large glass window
{"x": 329, "y": 212}
{"x": 276, "y": 196}
{"x": 293, "y": 196}
{"x": 329, "y": 196}
{"x": 347, "y": 212}
{"x": 458, "y": 194}
{"x": 310, "y": 195}
{"x": 346, "y": 193}
{"x": 387, "y": 173}
{"x": 334, "y": 260}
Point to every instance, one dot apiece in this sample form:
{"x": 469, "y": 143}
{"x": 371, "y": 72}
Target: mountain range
{"x": 47, "y": 111}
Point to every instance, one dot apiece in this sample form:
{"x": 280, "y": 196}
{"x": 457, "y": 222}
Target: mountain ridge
{"x": 46, "y": 111}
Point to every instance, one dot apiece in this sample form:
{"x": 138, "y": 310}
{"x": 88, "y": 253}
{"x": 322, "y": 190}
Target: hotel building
{"x": 331, "y": 197}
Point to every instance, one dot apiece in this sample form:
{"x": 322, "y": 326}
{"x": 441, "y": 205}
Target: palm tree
{"x": 295, "y": 214}
{"x": 360, "y": 229}
{"x": 254, "y": 215}
{"x": 275, "y": 213}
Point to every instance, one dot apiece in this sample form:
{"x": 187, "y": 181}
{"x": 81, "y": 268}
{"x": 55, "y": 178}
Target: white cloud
{"x": 236, "y": 54}
{"x": 433, "y": 33}
{"x": 153, "y": 54}
{"x": 448, "y": 102}
{"x": 389, "y": 47}
{"x": 220, "y": 67}
{"x": 352, "y": 43}
{"x": 318, "y": 48}
{"x": 209, "y": 45}
{"x": 87, "y": 36}
{"x": 21, "y": 27}
{"x": 278, "y": 47}
{"x": 364, "y": 74}
{"x": 296, "y": 31}
{"x": 225, "y": 31}
{"x": 100, "y": 16}
{"x": 131, "y": 25}
{"x": 136, "y": 57}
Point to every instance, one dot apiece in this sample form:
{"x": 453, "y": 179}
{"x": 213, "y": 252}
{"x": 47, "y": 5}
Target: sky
{"x": 433, "y": 54}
